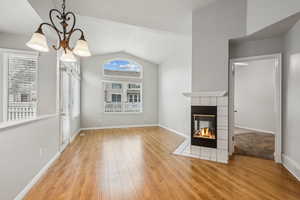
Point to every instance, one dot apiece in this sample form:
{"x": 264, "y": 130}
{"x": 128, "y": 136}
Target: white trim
{"x": 5, "y": 86}
{"x": 75, "y": 135}
{"x": 181, "y": 147}
{"x": 35, "y": 179}
{"x": 121, "y": 126}
{"x": 291, "y": 165}
{"x": 4, "y": 50}
{"x": 255, "y": 129}
{"x": 174, "y": 131}
{"x": 13, "y": 124}
{"x": 205, "y": 94}
{"x": 278, "y": 100}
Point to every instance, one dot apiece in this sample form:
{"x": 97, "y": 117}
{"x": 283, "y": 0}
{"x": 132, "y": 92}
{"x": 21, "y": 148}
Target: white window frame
{"x": 19, "y": 53}
{"x": 123, "y": 83}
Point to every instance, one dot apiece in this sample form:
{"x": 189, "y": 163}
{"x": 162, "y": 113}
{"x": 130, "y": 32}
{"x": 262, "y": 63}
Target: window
{"x": 20, "y": 87}
{"x": 116, "y": 86}
{"x": 122, "y": 86}
{"x": 116, "y": 98}
{"x": 122, "y": 68}
{"x": 127, "y": 99}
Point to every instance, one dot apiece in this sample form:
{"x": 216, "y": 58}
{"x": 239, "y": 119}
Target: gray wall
{"x": 92, "y": 112}
{"x": 254, "y": 95}
{"x": 174, "y": 79}
{"x": 21, "y": 146}
{"x": 239, "y": 49}
{"x": 291, "y": 94}
{"x": 213, "y": 26}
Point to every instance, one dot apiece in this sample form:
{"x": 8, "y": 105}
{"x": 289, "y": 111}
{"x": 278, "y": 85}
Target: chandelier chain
{"x": 64, "y": 6}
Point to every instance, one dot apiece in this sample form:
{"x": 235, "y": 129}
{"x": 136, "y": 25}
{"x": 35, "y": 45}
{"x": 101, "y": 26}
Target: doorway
{"x": 255, "y": 106}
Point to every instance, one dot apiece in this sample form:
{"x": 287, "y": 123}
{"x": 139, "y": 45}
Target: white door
{"x": 65, "y": 107}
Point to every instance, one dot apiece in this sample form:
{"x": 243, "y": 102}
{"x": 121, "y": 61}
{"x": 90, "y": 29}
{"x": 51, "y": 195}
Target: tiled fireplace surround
{"x": 219, "y": 154}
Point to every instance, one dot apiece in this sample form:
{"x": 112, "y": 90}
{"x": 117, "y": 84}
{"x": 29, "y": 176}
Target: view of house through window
{"x": 122, "y": 99}
{"x": 20, "y": 89}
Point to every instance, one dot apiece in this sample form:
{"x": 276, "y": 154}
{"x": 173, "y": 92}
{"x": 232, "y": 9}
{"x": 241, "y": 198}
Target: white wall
{"x": 254, "y": 95}
{"x": 262, "y": 13}
{"x": 291, "y": 95}
{"x": 174, "y": 79}
{"x": 213, "y": 26}
{"x": 92, "y": 98}
{"x": 20, "y": 146}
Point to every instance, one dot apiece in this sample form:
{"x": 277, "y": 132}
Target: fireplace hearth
{"x": 204, "y": 126}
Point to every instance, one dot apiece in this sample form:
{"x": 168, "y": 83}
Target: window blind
{"x": 21, "y": 87}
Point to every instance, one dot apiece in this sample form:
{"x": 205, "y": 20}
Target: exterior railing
{"x": 122, "y": 107}
{"x": 21, "y": 111}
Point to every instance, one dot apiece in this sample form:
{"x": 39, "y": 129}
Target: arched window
{"x": 122, "y": 86}
{"x": 122, "y": 68}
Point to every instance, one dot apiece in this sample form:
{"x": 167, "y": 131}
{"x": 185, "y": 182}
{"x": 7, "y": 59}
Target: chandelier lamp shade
{"x": 65, "y": 31}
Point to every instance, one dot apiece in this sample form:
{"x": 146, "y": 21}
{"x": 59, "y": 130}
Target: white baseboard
{"x": 254, "y": 129}
{"x": 75, "y": 135}
{"x": 292, "y": 166}
{"x": 174, "y": 131}
{"x": 122, "y": 126}
{"x": 35, "y": 179}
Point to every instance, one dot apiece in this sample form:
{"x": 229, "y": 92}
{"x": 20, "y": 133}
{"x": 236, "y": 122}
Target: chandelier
{"x": 64, "y": 32}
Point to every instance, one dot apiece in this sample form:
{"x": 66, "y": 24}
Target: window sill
{"x": 13, "y": 124}
{"x": 123, "y": 113}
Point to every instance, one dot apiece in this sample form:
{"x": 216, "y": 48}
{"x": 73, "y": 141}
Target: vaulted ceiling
{"x": 148, "y": 29}
{"x": 167, "y": 15}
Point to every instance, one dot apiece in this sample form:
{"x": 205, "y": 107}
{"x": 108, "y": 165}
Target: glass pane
{"x": 22, "y": 93}
{"x": 122, "y": 68}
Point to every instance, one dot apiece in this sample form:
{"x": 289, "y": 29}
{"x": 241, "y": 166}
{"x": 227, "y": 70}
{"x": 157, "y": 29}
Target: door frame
{"x": 278, "y": 100}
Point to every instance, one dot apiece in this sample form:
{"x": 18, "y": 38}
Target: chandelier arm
{"x": 74, "y": 22}
{"x": 74, "y": 30}
{"x": 59, "y": 17}
{"x": 57, "y": 32}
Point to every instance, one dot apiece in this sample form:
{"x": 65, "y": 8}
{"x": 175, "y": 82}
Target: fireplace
{"x": 204, "y": 126}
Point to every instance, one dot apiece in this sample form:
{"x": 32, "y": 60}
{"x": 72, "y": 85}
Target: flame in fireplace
{"x": 205, "y": 133}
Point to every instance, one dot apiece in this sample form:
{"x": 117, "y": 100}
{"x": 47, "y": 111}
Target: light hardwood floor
{"x": 137, "y": 164}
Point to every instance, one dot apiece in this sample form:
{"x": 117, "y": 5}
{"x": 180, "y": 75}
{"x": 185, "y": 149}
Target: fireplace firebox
{"x": 204, "y": 126}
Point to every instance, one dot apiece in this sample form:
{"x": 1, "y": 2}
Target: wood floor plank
{"x": 138, "y": 164}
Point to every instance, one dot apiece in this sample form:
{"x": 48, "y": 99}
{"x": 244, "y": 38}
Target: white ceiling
{"x": 17, "y": 16}
{"x": 148, "y": 40}
{"x": 107, "y": 36}
{"x": 168, "y": 15}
